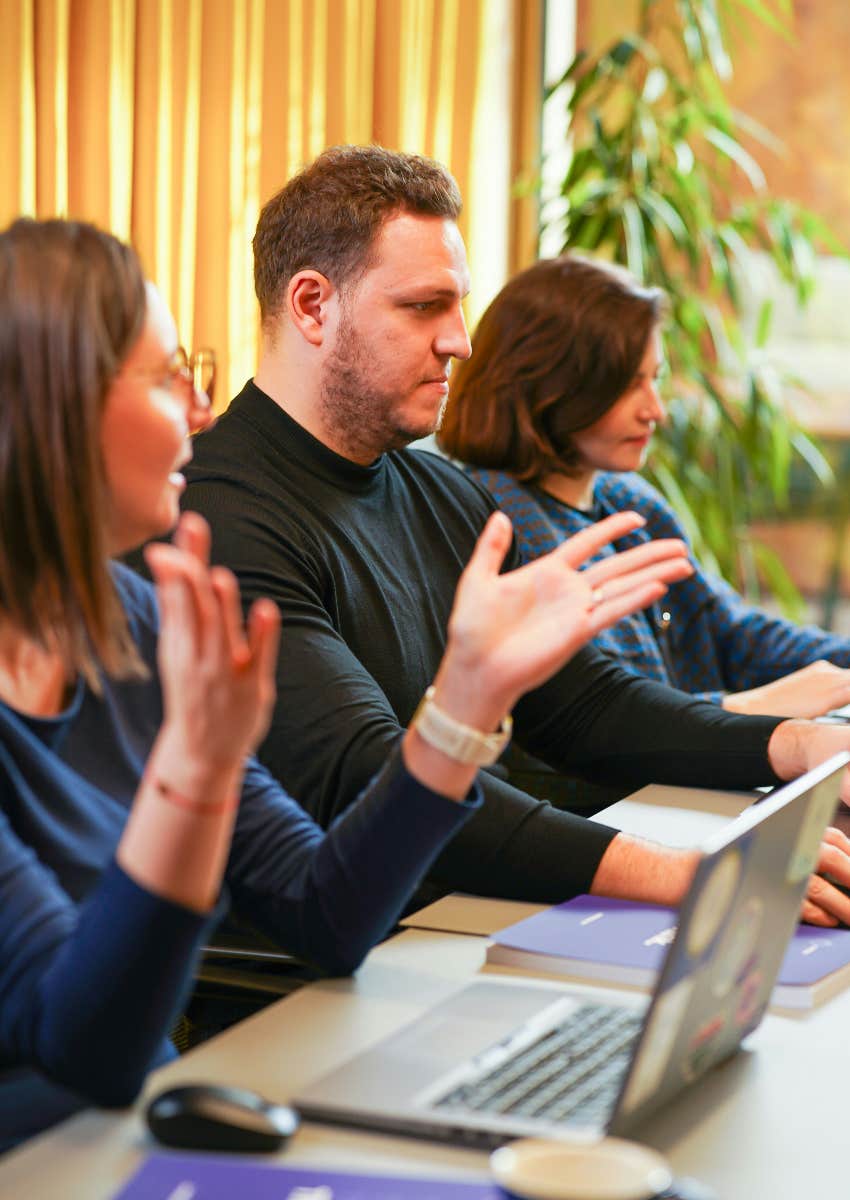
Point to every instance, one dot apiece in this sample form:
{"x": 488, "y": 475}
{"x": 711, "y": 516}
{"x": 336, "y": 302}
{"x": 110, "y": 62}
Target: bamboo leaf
{"x": 735, "y": 151}
{"x": 587, "y": 195}
{"x": 813, "y": 456}
{"x": 717, "y": 330}
{"x": 691, "y": 33}
{"x": 741, "y": 266}
{"x": 570, "y": 73}
{"x": 593, "y": 231}
{"x": 766, "y": 15}
{"x": 817, "y": 230}
{"x": 780, "y": 460}
{"x": 633, "y": 233}
{"x": 781, "y": 247}
{"x": 666, "y": 214}
{"x": 655, "y": 85}
{"x": 758, "y": 132}
{"x": 778, "y": 580}
{"x": 585, "y": 83}
{"x": 684, "y": 157}
{"x": 676, "y": 496}
{"x": 764, "y": 319}
{"x": 649, "y": 134}
{"x": 803, "y": 259}
{"x": 738, "y": 248}
{"x": 689, "y": 214}
{"x": 713, "y": 39}
{"x": 623, "y": 52}
{"x": 583, "y": 160}
{"x": 709, "y": 97}
{"x": 690, "y": 315}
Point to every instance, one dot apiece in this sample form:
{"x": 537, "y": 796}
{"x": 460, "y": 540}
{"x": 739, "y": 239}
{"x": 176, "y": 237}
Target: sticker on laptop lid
{"x": 753, "y": 999}
{"x": 736, "y": 954}
{"x": 656, "y": 1043}
{"x": 703, "y": 1046}
{"x": 804, "y": 856}
{"x": 712, "y": 904}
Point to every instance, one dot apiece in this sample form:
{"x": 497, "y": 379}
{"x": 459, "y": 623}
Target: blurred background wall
{"x": 798, "y": 87}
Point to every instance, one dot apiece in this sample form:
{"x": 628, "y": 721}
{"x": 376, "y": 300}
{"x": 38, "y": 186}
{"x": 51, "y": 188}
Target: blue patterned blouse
{"x": 702, "y": 637}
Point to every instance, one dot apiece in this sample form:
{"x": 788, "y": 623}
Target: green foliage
{"x": 655, "y": 180}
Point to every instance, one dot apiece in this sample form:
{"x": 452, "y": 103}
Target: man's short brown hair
{"x": 558, "y": 346}
{"x": 327, "y": 216}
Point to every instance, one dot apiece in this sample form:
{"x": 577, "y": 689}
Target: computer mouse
{"x": 206, "y": 1116}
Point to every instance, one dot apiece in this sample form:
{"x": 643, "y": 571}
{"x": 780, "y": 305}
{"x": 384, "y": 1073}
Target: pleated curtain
{"x": 172, "y": 121}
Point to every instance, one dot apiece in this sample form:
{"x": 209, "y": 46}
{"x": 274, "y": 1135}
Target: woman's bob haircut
{"x": 558, "y": 346}
{"x": 72, "y": 304}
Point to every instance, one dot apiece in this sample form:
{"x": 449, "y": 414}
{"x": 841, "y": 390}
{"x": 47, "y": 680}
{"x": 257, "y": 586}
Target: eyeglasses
{"x": 202, "y": 364}
{"x": 190, "y": 379}
{"x": 175, "y": 378}
{"x": 179, "y": 374}
{"x": 197, "y": 369}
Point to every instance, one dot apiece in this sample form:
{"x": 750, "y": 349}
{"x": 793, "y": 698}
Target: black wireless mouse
{"x": 205, "y": 1116}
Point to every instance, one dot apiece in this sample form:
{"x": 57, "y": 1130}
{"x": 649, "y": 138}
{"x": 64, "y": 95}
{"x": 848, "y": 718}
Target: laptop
{"x": 500, "y": 1059}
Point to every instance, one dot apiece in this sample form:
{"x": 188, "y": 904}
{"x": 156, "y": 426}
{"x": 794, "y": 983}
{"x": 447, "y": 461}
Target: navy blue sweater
{"x": 93, "y": 968}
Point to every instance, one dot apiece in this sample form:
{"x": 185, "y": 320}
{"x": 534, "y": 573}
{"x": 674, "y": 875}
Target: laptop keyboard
{"x": 572, "y": 1073}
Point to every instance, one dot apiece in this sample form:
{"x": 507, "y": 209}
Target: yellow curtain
{"x": 172, "y": 121}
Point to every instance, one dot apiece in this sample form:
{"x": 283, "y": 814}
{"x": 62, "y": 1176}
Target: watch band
{"x": 456, "y": 740}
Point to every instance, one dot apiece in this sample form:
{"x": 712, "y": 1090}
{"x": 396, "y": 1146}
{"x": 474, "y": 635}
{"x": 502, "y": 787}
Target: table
{"x": 768, "y": 1124}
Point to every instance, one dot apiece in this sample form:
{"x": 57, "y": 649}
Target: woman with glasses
{"x": 554, "y": 414}
{"x": 125, "y": 718}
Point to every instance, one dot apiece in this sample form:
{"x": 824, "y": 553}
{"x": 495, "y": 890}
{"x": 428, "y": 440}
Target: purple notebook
{"x": 220, "y": 1177}
{"x": 621, "y": 941}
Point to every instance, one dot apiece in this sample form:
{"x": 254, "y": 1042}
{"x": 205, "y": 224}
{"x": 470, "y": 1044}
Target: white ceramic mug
{"x": 610, "y": 1169}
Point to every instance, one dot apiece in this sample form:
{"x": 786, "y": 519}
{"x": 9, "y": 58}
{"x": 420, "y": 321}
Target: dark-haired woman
{"x": 554, "y": 414}
{"x": 125, "y": 795}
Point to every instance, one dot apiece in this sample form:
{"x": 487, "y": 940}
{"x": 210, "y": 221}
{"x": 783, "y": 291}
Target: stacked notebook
{"x": 624, "y": 942}
{"x": 215, "y": 1177}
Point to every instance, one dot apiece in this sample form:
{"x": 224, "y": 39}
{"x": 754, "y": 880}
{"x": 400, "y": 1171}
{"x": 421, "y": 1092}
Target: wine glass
{"x": 202, "y": 366}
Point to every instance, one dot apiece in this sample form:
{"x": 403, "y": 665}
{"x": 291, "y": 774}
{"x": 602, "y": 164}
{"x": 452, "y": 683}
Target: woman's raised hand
{"x": 217, "y": 672}
{"x": 218, "y": 689}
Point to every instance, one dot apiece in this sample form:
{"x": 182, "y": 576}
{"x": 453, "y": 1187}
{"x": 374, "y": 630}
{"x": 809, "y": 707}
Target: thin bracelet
{"x": 204, "y": 807}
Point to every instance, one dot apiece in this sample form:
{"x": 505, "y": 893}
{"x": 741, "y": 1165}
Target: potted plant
{"x": 659, "y": 179}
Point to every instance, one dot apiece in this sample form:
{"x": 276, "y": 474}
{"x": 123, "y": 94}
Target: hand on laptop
{"x": 827, "y": 900}
{"x": 809, "y": 692}
{"x": 795, "y": 747}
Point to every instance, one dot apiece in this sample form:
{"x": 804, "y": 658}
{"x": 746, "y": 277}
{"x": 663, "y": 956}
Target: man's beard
{"x": 362, "y": 418}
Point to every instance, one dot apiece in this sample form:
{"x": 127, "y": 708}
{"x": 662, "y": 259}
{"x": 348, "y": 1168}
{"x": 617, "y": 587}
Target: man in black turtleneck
{"x": 313, "y": 500}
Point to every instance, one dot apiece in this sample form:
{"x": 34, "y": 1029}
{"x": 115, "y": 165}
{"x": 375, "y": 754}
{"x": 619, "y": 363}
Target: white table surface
{"x": 768, "y": 1125}
{"x": 765, "y": 1126}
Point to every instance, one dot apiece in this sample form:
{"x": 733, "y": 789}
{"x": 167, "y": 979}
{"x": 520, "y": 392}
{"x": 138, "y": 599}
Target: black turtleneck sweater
{"x": 363, "y": 562}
